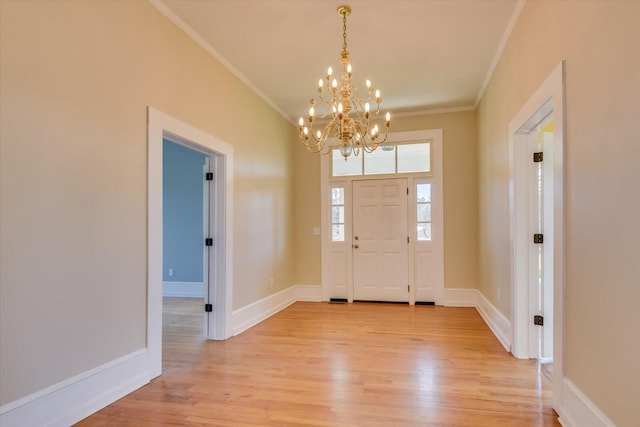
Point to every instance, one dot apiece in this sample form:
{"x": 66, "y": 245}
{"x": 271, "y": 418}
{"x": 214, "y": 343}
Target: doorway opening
{"x": 186, "y": 226}
{"x": 536, "y": 194}
{"x": 217, "y": 214}
{"x": 402, "y": 186}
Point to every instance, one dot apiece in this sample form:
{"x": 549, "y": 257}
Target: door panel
{"x": 380, "y": 249}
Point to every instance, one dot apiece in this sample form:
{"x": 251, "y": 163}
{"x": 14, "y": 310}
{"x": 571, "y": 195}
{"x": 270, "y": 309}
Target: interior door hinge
{"x": 408, "y": 288}
{"x": 208, "y": 241}
{"x": 538, "y": 238}
{"x": 538, "y": 320}
{"x": 208, "y": 308}
{"x": 537, "y": 157}
{"x": 407, "y": 239}
{"x": 407, "y": 191}
{"x": 208, "y": 176}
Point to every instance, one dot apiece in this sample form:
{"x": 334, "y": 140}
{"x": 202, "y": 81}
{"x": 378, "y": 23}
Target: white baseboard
{"x": 578, "y": 410}
{"x": 70, "y": 401}
{"x": 497, "y": 322}
{"x": 183, "y": 289}
{"x": 311, "y": 293}
{"x": 254, "y": 313}
{"x": 455, "y": 297}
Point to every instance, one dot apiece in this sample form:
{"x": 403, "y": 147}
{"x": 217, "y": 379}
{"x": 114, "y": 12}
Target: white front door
{"x": 380, "y": 240}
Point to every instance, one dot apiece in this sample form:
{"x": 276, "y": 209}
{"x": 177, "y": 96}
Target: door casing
{"x": 159, "y": 127}
{"x": 547, "y": 99}
{"x": 345, "y": 255}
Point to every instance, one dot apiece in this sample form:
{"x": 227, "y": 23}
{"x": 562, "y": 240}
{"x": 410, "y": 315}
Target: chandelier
{"x": 350, "y": 126}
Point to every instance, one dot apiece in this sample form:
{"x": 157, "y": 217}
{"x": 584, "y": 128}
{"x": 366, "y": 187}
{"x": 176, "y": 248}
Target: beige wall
{"x": 307, "y": 215}
{"x": 460, "y": 199}
{"x": 76, "y": 78}
{"x": 599, "y": 40}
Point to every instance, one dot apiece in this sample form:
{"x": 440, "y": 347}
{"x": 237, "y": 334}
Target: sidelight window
{"x": 423, "y": 214}
{"x": 337, "y": 214}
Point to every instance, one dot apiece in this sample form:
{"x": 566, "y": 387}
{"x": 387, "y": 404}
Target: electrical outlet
{"x": 171, "y": 272}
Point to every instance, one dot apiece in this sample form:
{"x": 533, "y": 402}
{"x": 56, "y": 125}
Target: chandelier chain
{"x": 344, "y": 34}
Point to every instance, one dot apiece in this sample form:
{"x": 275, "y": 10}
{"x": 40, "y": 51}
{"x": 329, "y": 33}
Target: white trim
{"x": 415, "y": 113}
{"x": 309, "y": 293}
{"x": 183, "y": 289}
{"x": 497, "y": 322}
{"x": 256, "y": 312}
{"x": 456, "y": 297}
{"x": 426, "y": 112}
{"x": 71, "y": 400}
{"x": 578, "y": 410}
{"x": 551, "y": 89}
{"x": 193, "y": 34}
{"x": 437, "y": 176}
{"x": 160, "y": 126}
{"x": 500, "y": 50}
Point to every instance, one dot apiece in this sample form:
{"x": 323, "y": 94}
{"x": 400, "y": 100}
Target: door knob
{"x": 355, "y": 246}
{"x": 356, "y": 237}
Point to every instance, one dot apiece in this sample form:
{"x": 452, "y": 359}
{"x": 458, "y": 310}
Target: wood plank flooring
{"x": 319, "y": 364}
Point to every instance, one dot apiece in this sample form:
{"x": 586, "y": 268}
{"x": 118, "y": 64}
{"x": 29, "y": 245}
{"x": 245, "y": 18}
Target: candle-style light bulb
{"x": 368, "y": 83}
{"x": 388, "y": 117}
{"x": 366, "y": 108}
{"x": 377, "y": 94}
{"x": 301, "y": 122}
{"x": 306, "y": 131}
{"x": 330, "y": 71}
{"x": 320, "y": 83}
{"x": 340, "y": 108}
{"x": 334, "y": 83}
{"x": 349, "y": 68}
{"x": 312, "y": 111}
{"x": 334, "y": 108}
{"x": 319, "y": 134}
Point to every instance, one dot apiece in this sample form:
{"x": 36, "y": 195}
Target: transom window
{"x": 391, "y": 159}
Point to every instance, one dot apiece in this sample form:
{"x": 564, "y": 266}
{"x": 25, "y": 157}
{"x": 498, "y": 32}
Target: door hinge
{"x": 407, "y": 239}
{"x": 407, "y": 191}
{"x": 208, "y": 176}
{"x": 538, "y": 320}
{"x": 538, "y": 238}
{"x": 408, "y": 288}
{"x": 208, "y": 308}
{"x": 537, "y": 157}
{"x": 208, "y": 241}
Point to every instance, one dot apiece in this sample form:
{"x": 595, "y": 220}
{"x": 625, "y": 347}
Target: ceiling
{"x": 423, "y": 55}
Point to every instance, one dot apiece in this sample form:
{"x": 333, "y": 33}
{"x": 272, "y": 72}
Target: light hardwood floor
{"x": 319, "y": 364}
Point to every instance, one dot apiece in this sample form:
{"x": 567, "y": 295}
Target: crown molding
{"x": 193, "y": 34}
{"x": 503, "y": 43}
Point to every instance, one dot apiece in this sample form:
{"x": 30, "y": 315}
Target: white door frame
{"x": 160, "y": 126}
{"x": 436, "y": 175}
{"x": 549, "y": 97}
